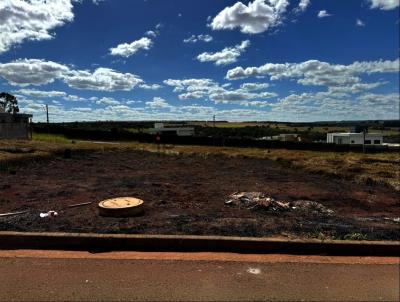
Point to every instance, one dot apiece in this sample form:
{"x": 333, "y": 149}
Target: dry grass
{"x": 381, "y": 168}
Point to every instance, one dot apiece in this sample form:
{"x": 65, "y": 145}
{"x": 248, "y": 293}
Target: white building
{"x": 354, "y": 138}
{"x": 179, "y": 131}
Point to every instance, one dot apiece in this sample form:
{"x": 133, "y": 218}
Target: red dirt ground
{"x": 185, "y": 194}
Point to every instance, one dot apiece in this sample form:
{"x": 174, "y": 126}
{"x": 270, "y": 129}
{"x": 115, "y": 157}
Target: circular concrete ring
{"x": 121, "y": 207}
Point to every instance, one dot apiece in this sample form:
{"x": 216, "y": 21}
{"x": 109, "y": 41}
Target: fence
{"x": 122, "y": 135}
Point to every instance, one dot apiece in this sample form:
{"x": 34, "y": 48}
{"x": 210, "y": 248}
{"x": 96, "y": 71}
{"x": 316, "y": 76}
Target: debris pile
{"x": 309, "y": 206}
{"x": 262, "y": 201}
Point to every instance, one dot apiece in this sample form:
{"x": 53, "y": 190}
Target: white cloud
{"x": 41, "y": 94}
{"x": 238, "y": 96}
{"x": 107, "y": 101}
{"x": 355, "y": 88}
{"x": 31, "y": 20}
{"x": 158, "y": 103}
{"x": 379, "y": 101}
{"x": 26, "y": 72}
{"x": 151, "y": 33}
{"x": 74, "y": 98}
{"x": 303, "y": 4}
{"x": 130, "y": 102}
{"x": 187, "y": 84}
{"x": 258, "y": 16}
{"x": 323, "y": 14}
{"x": 50, "y": 94}
{"x": 226, "y": 56}
{"x": 103, "y": 79}
{"x": 302, "y": 107}
{"x": 190, "y": 89}
{"x": 150, "y": 86}
{"x": 360, "y": 23}
{"x": 39, "y": 72}
{"x": 314, "y": 72}
{"x": 384, "y": 4}
{"x": 197, "y": 38}
{"x": 128, "y": 49}
{"x": 337, "y": 106}
{"x": 254, "y": 86}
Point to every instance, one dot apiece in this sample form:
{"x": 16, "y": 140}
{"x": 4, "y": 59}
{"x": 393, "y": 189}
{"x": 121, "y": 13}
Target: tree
{"x": 8, "y": 103}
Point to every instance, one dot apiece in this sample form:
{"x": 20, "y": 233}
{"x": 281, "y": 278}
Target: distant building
{"x": 285, "y": 137}
{"x": 179, "y": 131}
{"x": 15, "y": 126}
{"x": 354, "y": 138}
{"x": 289, "y": 137}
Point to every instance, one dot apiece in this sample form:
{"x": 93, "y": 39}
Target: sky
{"x": 258, "y": 60}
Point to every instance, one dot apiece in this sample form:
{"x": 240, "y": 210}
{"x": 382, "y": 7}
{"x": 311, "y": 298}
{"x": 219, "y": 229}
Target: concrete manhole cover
{"x": 121, "y": 207}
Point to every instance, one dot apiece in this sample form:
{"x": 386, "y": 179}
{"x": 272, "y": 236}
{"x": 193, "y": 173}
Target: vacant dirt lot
{"x": 185, "y": 194}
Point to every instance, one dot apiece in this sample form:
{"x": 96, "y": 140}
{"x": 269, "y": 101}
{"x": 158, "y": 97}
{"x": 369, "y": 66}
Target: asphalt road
{"x": 135, "y": 276}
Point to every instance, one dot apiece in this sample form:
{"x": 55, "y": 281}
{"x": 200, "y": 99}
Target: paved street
{"x": 138, "y": 276}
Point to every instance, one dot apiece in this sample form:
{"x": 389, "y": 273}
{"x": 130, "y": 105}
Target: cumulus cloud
{"x": 190, "y": 89}
{"x": 254, "y": 86}
{"x": 303, "y": 4}
{"x": 239, "y": 96}
{"x": 128, "y": 49}
{"x": 150, "y": 86}
{"x": 74, "y": 98}
{"x": 198, "y": 38}
{"x": 31, "y": 20}
{"x": 50, "y": 94}
{"x": 41, "y": 94}
{"x": 226, "y": 56}
{"x": 256, "y": 17}
{"x": 158, "y": 103}
{"x": 384, "y": 4}
{"x": 314, "y": 72}
{"x": 334, "y": 106}
{"x": 104, "y": 79}
{"x": 107, "y": 101}
{"x": 323, "y": 14}
{"x": 26, "y": 72}
{"x": 37, "y": 72}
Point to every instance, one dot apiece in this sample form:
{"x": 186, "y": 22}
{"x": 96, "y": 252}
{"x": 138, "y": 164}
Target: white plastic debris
{"x": 48, "y": 214}
{"x": 254, "y": 271}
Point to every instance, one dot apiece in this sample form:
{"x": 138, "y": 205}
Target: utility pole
{"x": 214, "y": 120}
{"x": 46, "y": 109}
{"x": 47, "y": 114}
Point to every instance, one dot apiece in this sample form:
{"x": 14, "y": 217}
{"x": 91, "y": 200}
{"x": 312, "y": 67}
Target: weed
{"x": 355, "y": 236}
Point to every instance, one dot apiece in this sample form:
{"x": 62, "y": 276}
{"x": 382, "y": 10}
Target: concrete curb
{"x": 119, "y": 242}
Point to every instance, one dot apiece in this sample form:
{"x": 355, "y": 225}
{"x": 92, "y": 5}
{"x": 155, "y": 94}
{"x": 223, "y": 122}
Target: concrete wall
{"x": 14, "y": 131}
{"x": 14, "y": 126}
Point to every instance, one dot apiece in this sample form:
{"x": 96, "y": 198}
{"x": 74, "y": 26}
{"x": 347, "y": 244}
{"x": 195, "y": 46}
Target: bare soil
{"x": 185, "y": 194}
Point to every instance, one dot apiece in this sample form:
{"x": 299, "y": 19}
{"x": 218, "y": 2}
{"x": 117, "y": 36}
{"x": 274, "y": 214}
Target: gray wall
{"x": 14, "y": 126}
{"x": 14, "y": 131}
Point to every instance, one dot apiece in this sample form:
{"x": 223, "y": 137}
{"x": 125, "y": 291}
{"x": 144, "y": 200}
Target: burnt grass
{"x": 185, "y": 194}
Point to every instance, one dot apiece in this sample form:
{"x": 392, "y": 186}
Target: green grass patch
{"x": 55, "y": 138}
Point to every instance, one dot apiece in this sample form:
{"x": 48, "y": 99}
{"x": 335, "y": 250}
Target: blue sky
{"x": 284, "y": 60}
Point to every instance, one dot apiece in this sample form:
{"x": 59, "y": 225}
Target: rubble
{"x": 262, "y": 201}
{"x": 310, "y": 207}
